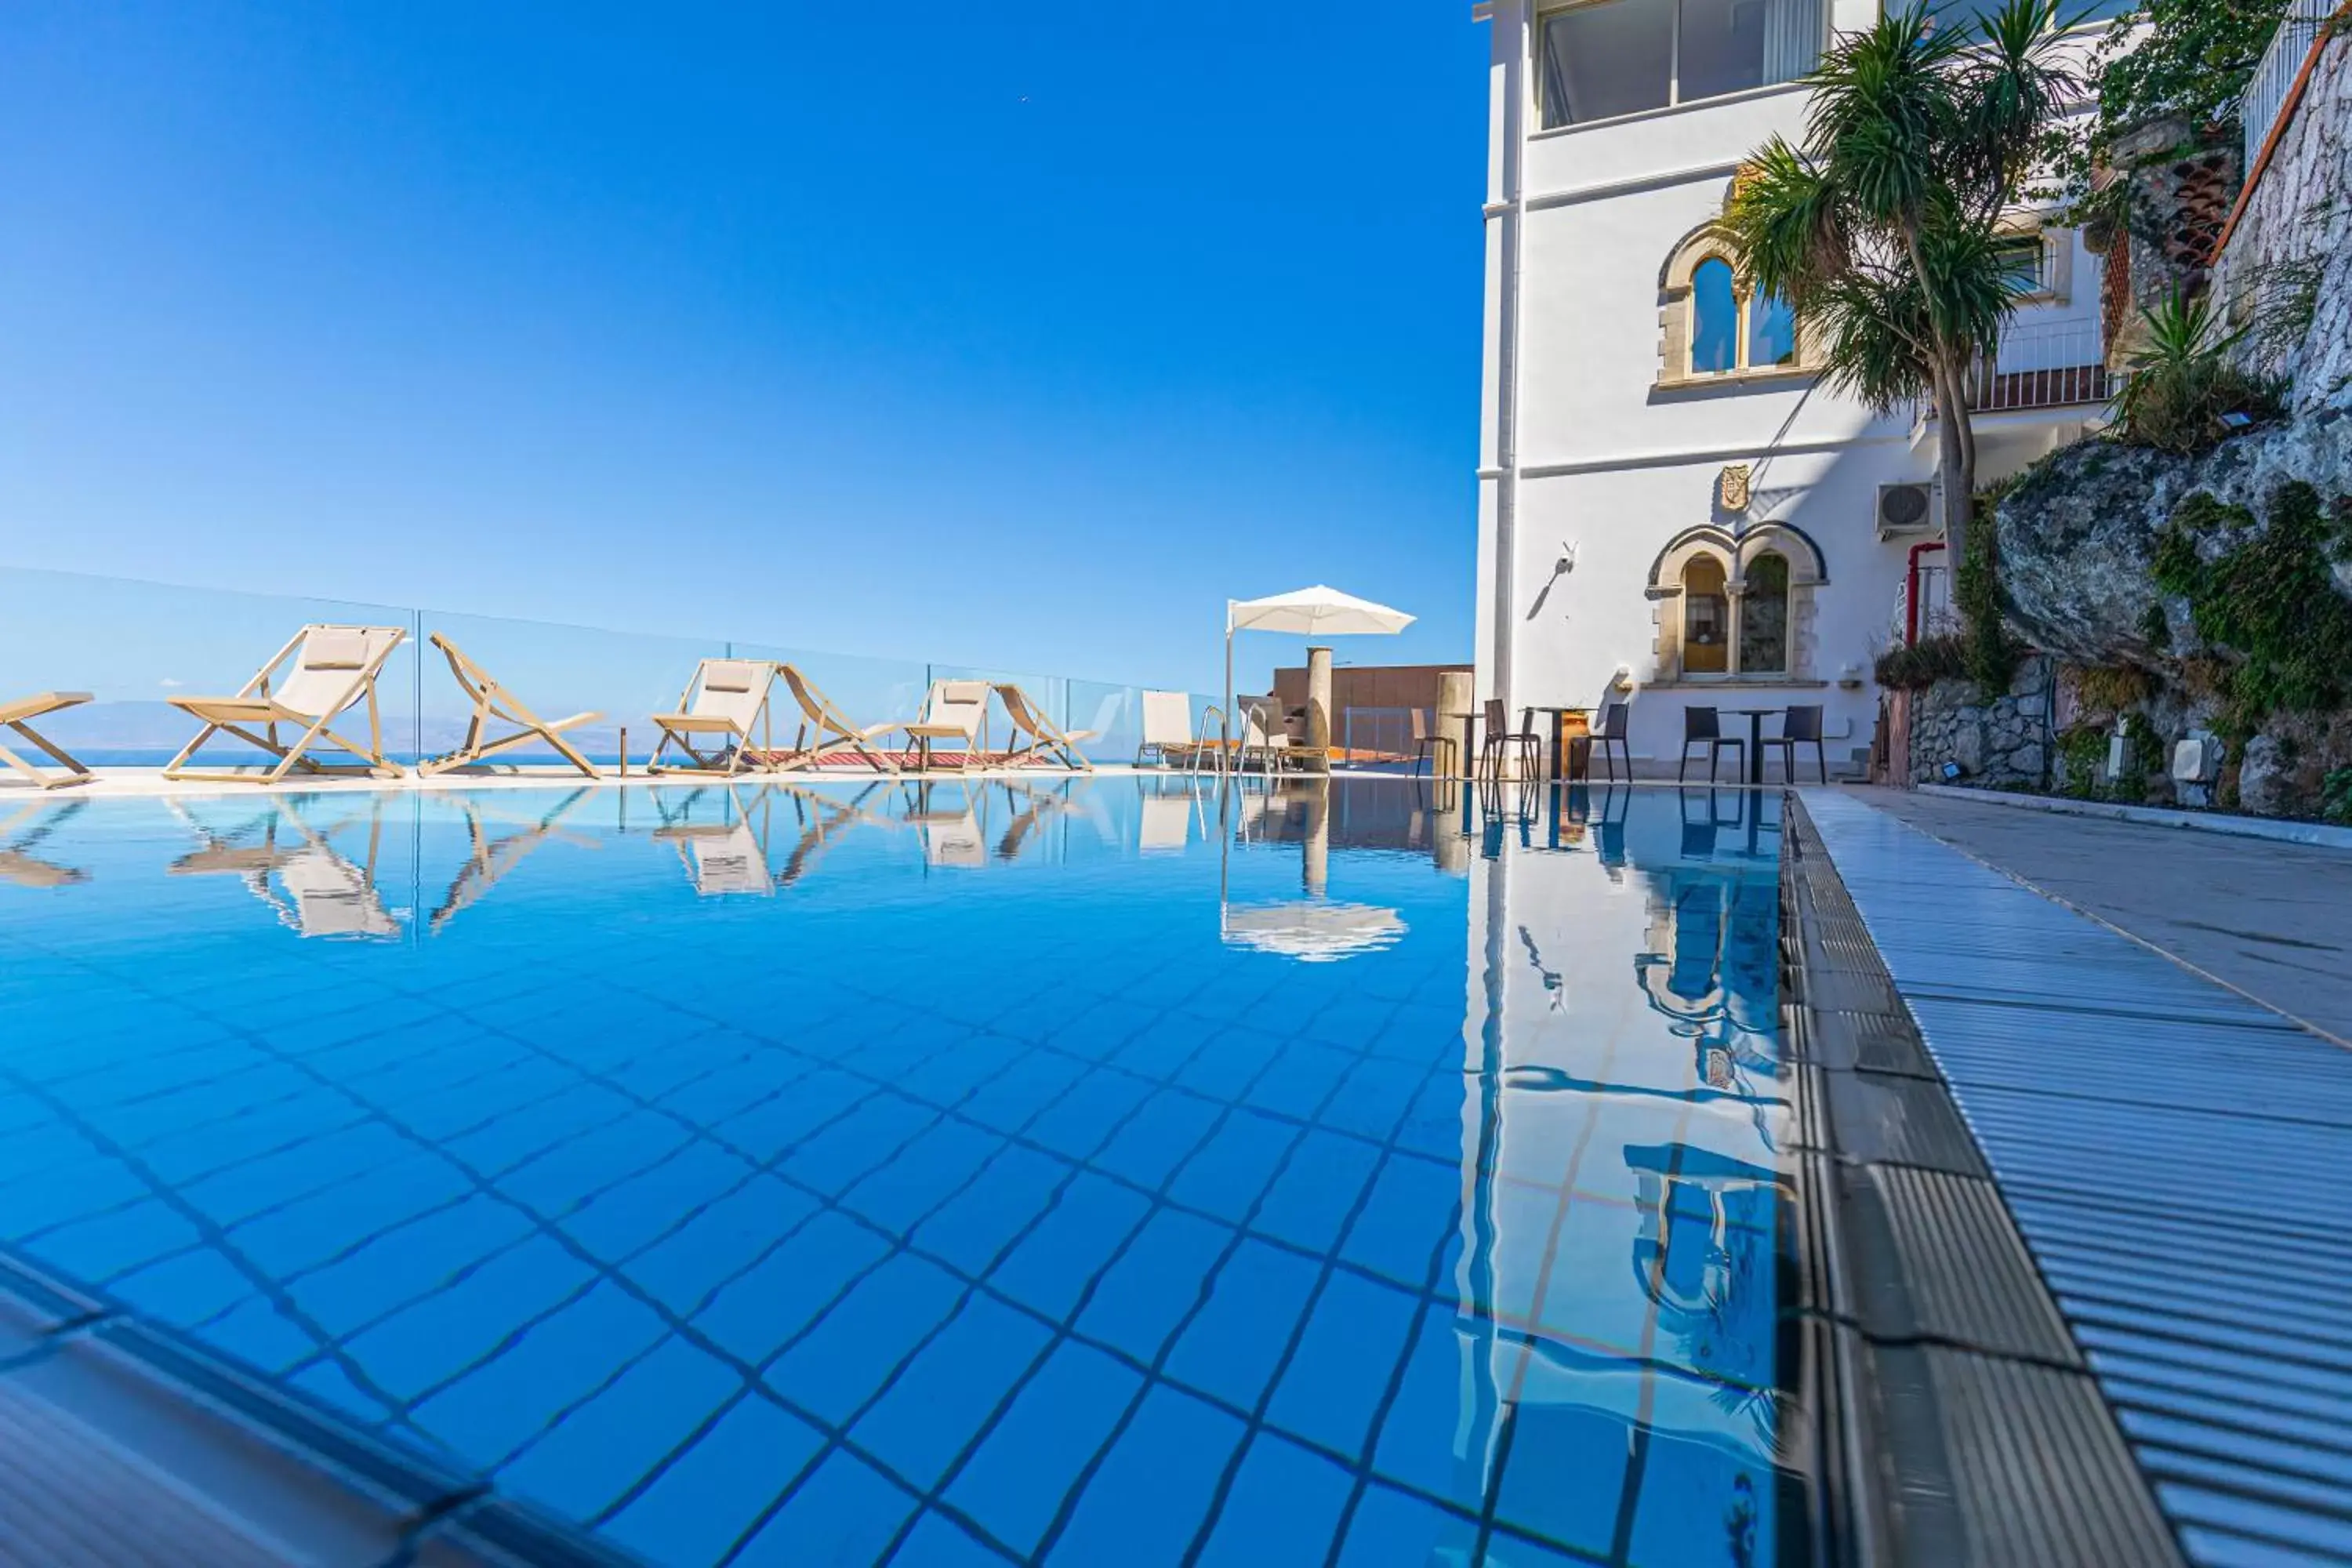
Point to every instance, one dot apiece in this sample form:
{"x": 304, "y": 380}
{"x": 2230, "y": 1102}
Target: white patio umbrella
{"x": 1312, "y": 612}
{"x": 1312, "y": 931}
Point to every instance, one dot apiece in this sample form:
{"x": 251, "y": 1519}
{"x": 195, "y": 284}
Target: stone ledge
{"x": 2318, "y": 835}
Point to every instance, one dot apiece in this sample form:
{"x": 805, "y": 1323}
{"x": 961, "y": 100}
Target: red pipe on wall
{"x": 1911, "y": 593}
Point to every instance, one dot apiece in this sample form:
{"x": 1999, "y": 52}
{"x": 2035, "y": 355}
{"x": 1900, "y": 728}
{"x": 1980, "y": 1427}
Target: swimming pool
{"x": 1099, "y": 1172}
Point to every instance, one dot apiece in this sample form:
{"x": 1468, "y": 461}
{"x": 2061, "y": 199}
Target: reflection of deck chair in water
{"x": 824, "y": 727}
{"x": 315, "y": 889}
{"x": 951, "y": 835}
{"x": 493, "y": 703}
{"x": 19, "y": 715}
{"x": 722, "y": 707}
{"x": 822, "y": 819}
{"x": 328, "y": 671}
{"x": 724, "y": 858}
{"x": 1044, "y": 738}
{"x": 491, "y": 859}
{"x": 19, "y": 864}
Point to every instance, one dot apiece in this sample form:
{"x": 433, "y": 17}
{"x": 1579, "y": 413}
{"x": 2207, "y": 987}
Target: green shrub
{"x": 2335, "y": 795}
{"x": 2179, "y": 386}
{"x": 1921, "y": 664}
{"x": 2082, "y": 749}
{"x": 1992, "y": 652}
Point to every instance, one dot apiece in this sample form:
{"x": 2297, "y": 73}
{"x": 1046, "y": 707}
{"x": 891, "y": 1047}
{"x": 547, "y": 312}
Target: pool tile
{"x": 847, "y": 1354}
{"x": 1155, "y": 1283}
{"x": 1014, "y": 1484}
{"x": 1393, "y": 1530}
{"x": 1051, "y": 1268}
{"x": 1284, "y": 1507}
{"x": 315, "y": 1230}
{"x": 717, "y": 1489}
{"x": 1411, "y": 1209}
{"x": 1308, "y": 1204}
{"x": 104, "y": 1245}
{"x": 939, "y": 1541}
{"x": 923, "y": 1175}
{"x": 1427, "y": 1439}
{"x": 1081, "y": 1122}
{"x": 754, "y": 1316}
{"x": 401, "y": 1263}
{"x": 494, "y": 1406}
{"x": 1235, "y": 1345}
{"x": 925, "y": 1418}
{"x": 1008, "y": 1102}
{"x": 846, "y": 1513}
{"x": 766, "y": 1130}
{"x": 634, "y": 1213}
{"x": 867, "y": 1138}
{"x": 1229, "y": 1172}
{"x": 1301, "y": 1078}
{"x": 1149, "y": 1147}
{"x": 440, "y": 1335}
{"x": 719, "y": 1241}
{"x": 1003, "y": 1200}
{"x": 567, "y": 1175}
{"x": 595, "y": 1452}
{"x": 1143, "y": 1505}
{"x": 1373, "y": 1098}
{"x": 1564, "y": 1479}
{"x": 1340, "y": 1371}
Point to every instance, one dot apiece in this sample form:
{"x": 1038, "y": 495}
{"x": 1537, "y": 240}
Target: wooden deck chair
{"x": 1046, "y": 739}
{"x": 493, "y": 703}
{"x": 19, "y": 864}
{"x": 953, "y": 710}
{"x": 19, "y": 715}
{"x": 722, "y": 707}
{"x": 823, "y": 725}
{"x": 329, "y": 670}
{"x": 490, "y": 858}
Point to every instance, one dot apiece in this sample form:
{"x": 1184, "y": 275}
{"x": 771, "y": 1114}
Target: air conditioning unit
{"x": 1905, "y": 512}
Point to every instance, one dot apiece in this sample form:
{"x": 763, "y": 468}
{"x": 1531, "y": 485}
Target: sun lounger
{"x": 1045, "y": 738}
{"x": 1168, "y": 736}
{"x": 953, "y": 710}
{"x": 328, "y": 671}
{"x": 722, "y": 709}
{"x": 823, "y": 725}
{"x": 19, "y": 715}
{"x": 493, "y": 703}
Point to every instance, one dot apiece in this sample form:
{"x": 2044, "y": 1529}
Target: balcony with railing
{"x": 2266, "y": 94}
{"x": 2059, "y": 366}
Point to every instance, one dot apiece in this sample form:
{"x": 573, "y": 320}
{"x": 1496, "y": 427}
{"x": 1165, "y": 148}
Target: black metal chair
{"x": 1799, "y": 726}
{"x": 1615, "y": 720}
{"x": 1704, "y": 727}
{"x": 1427, "y": 741}
{"x": 1500, "y": 738}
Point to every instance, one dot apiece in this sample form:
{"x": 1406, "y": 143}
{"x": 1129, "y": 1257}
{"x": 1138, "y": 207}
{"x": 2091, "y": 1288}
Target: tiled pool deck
{"x": 2176, "y": 1159}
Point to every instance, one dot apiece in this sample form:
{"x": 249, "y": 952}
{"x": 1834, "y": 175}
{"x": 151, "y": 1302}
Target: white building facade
{"x": 1671, "y": 508}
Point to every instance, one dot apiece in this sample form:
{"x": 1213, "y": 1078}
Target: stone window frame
{"x": 1735, "y": 552}
{"x": 1679, "y": 309}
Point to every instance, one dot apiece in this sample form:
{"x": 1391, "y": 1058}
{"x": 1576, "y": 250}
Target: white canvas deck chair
{"x": 955, "y": 711}
{"x": 824, "y": 728}
{"x": 329, "y": 670}
{"x": 489, "y": 859}
{"x": 494, "y": 704}
{"x": 18, "y": 716}
{"x": 1167, "y": 732}
{"x": 719, "y": 714}
{"x": 314, "y": 888}
{"x": 1044, "y": 738}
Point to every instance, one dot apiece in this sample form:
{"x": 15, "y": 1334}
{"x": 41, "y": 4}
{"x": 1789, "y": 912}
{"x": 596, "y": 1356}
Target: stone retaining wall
{"x": 2002, "y": 743}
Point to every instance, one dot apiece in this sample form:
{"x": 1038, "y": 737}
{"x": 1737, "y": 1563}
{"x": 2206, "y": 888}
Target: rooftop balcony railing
{"x": 2042, "y": 364}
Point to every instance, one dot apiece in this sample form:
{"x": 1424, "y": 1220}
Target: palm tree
{"x": 1883, "y": 227}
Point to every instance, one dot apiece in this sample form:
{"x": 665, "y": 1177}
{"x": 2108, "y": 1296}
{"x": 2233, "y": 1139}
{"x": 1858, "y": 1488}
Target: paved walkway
{"x": 2272, "y": 921}
{"x": 2174, "y": 1155}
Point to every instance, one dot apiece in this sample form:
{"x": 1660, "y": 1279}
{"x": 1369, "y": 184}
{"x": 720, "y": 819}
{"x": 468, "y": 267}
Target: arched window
{"x": 1715, "y": 318}
{"x": 1764, "y": 617}
{"x": 1706, "y": 618}
{"x": 1716, "y": 322}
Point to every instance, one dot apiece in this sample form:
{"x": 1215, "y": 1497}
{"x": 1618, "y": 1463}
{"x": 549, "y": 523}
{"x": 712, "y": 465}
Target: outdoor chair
{"x": 17, "y": 716}
{"x": 1799, "y": 726}
{"x": 1045, "y": 740}
{"x": 1704, "y": 727}
{"x": 1611, "y": 731}
{"x": 493, "y": 703}
{"x": 1427, "y": 742}
{"x": 1263, "y": 735}
{"x": 727, "y": 701}
{"x": 823, "y": 725}
{"x": 952, "y": 711}
{"x": 1523, "y": 744}
{"x": 1167, "y": 732}
{"x": 328, "y": 671}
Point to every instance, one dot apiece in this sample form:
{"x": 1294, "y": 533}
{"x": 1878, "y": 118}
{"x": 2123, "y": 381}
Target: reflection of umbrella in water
{"x": 1313, "y": 930}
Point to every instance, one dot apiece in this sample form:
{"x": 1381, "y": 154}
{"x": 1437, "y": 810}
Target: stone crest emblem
{"x": 1732, "y": 486}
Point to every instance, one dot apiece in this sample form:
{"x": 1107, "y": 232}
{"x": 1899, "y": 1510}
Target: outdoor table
{"x": 1559, "y": 712}
{"x": 1755, "y": 738}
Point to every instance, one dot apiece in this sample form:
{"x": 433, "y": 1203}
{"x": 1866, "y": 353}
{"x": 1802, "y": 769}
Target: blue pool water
{"x": 1087, "y": 1173}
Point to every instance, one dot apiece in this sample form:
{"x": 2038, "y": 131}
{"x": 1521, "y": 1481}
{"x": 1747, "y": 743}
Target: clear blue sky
{"x": 1008, "y": 333}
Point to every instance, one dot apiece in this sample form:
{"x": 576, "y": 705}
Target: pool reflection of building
{"x": 1623, "y": 1170}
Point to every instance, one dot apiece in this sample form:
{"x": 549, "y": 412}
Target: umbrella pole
{"x": 1225, "y": 714}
